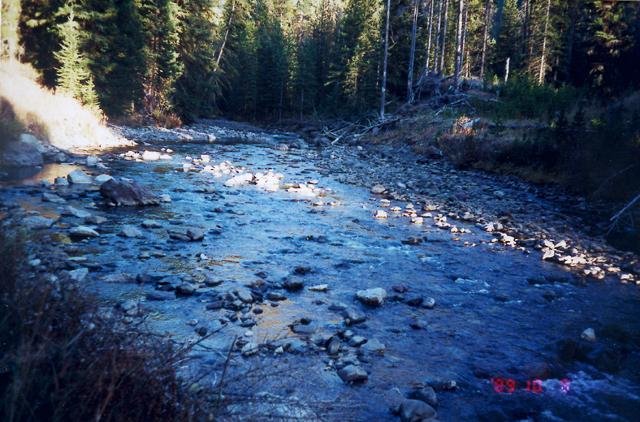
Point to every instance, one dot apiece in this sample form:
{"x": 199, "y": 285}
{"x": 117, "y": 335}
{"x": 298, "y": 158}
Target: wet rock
{"x": 275, "y": 296}
{"x": 53, "y": 198}
{"x": 380, "y": 214}
{"x": 195, "y": 234}
{"x": 78, "y": 177}
{"x": 302, "y": 270}
{"x": 588, "y": 334}
{"x": 293, "y": 284}
{"x": 372, "y": 297}
{"x": 353, "y": 317}
{"x": 378, "y": 189}
{"x": 95, "y": 219}
{"x": 20, "y": 154}
{"x": 130, "y": 307}
{"x": 75, "y": 212}
{"x": 159, "y": 296}
{"x": 334, "y": 346}
{"x": 304, "y": 327}
{"x": 102, "y": 178}
{"x": 414, "y": 301}
{"x": 79, "y": 275}
{"x": 353, "y": 374}
{"x": 244, "y": 294}
{"x": 428, "y": 303}
{"x": 124, "y": 193}
{"x": 426, "y": 394}
{"x": 151, "y": 224}
{"x": 239, "y": 180}
{"x": 418, "y": 324}
{"x": 374, "y": 346}
{"x": 185, "y": 289}
{"x": 415, "y": 411}
{"x": 150, "y": 155}
{"x": 250, "y": 349}
{"x": 92, "y": 161}
{"x": 295, "y": 346}
{"x": 201, "y": 331}
{"x": 82, "y": 232}
{"x": 130, "y": 231}
{"x": 357, "y": 341}
{"x": 37, "y": 222}
{"x": 61, "y": 181}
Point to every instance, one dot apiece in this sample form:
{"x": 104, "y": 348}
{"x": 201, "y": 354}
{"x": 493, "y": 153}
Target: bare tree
{"x": 543, "y": 64}
{"x": 226, "y": 33}
{"x": 430, "y": 30}
{"x": 383, "y": 96}
{"x": 412, "y": 54}
{"x": 436, "y": 52}
{"x": 443, "y": 43}
{"x": 459, "y": 41}
{"x": 466, "y": 62}
{"x": 485, "y": 37}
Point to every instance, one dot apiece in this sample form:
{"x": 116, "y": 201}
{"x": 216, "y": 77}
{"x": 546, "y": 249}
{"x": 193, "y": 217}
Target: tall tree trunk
{"x": 383, "y": 94}
{"x": 485, "y": 37}
{"x": 466, "y": 62}
{"x": 443, "y": 44}
{"x": 506, "y": 70}
{"x": 525, "y": 34}
{"x": 543, "y": 63}
{"x": 412, "y": 54}
{"x": 459, "y": 49}
{"x": 436, "y": 52}
{"x": 430, "y": 30}
{"x": 226, "y": 34}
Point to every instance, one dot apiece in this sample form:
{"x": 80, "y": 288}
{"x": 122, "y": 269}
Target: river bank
{"x": 322, "y": 267}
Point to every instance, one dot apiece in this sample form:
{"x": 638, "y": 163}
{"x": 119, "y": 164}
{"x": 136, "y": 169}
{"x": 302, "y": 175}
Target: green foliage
{"x": 74, "y": 76}
{"x": 197, "y": 87}
{"x": 163, "y": 67}
{"x": 39, "y": 37}
{"x": 523, "y": 98}
{"x": 115, "y": 48}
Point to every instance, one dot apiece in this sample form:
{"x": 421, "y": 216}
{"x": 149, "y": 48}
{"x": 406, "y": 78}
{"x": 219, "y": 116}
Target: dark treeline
{"x": 267, "y": 59}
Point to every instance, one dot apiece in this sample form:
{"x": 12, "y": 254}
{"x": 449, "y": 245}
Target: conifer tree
{"x": 197, "y": 87}
{"x": 162, "y": 60}
{"x": 74, "y": 77}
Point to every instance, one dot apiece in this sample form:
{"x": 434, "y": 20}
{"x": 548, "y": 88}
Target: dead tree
{"x": 412, "y": 54}
{"x": 459, "y": 41}
{"x": 383, "y": 94}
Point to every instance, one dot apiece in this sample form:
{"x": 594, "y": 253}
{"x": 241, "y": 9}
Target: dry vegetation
{"x": 66, "y": 359}
{"x": 56, "y": 118}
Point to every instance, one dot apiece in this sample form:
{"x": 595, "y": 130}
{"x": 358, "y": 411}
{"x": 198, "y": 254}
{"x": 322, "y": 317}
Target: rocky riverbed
{"x": 345, "y": 282}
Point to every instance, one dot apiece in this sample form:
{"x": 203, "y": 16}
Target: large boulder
{"x": 124, "y": 193}
{"x": 20, "y": 154}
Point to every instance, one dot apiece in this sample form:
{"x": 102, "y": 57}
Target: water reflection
{"x": 34, "y": 175}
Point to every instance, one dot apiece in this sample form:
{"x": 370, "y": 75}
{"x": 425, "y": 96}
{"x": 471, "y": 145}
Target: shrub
{"x": 10, "y": 128}
{"x": 65, "y": 359}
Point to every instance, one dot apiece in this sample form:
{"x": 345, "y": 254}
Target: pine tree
{"x": 197, "y": 87}
{"x": 39, "y": 37}
{"x": 162, "y": 60}
{"x": 115, "y": 49}
{"x": 74, "y": 77}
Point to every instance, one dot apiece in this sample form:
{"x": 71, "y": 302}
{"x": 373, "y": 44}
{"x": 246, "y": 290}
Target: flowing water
{"x": 499, "y": 313}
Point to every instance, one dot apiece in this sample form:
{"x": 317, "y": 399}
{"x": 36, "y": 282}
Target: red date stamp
{"x": 535, "y": 386}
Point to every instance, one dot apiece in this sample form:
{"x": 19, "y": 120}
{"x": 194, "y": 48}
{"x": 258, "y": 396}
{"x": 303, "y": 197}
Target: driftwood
{"x": 627, "y": 209}
{"x": 355, "y": 130}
